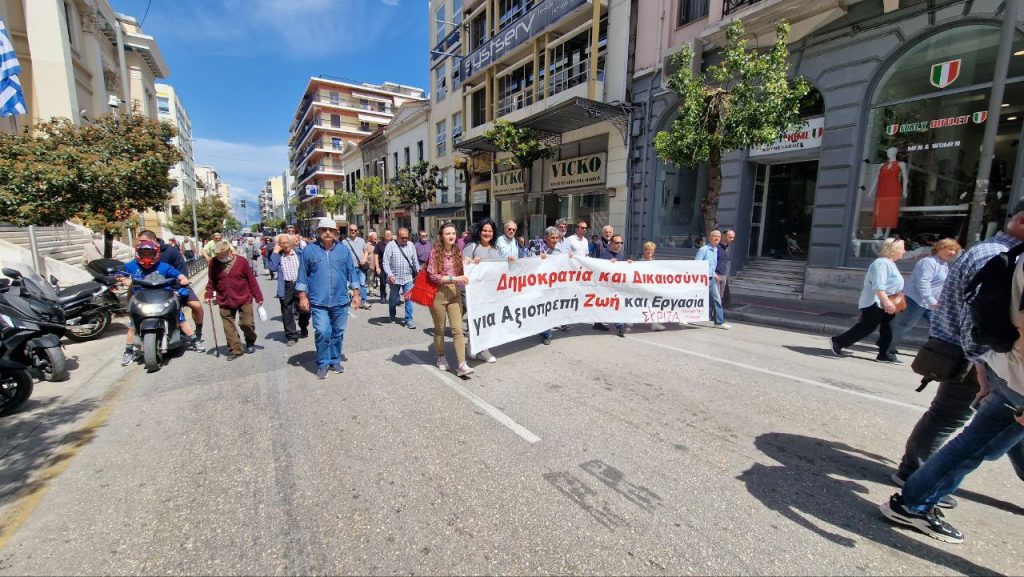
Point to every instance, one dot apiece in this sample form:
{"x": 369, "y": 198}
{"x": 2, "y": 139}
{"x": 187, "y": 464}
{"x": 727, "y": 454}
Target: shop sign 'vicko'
{"x": 508, "y": 182}
{"x": 519, "y": 31}
{"x": 574, "y": 172}
{"x": 806, "y": 137}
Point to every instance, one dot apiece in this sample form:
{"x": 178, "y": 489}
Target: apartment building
{"x": 207, "y": 181}
{"x": 330, "y": 114}
{"x": 272, "y": 198}
{"x": 170, "y": 109}
{"x": 406, "y": 137}
{"x": 908, "y": 75}
{"x": 557, "y": 66}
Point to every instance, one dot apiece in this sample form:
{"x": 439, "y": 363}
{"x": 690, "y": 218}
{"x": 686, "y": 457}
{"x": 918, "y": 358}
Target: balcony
{"x": 730, "y": 6}
{"x": 344, "y": 103}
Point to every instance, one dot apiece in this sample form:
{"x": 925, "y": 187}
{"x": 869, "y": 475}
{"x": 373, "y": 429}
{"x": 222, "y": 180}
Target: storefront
{"x": 894, "y": 150}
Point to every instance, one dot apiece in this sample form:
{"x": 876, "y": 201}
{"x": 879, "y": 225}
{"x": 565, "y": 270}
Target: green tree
{"x": 377, "y": 197}
{"x": 277, "y": 224}
{"x": 342, "y": 201}
{"x": 745, "y": 100}
{"x": 419, "y": 183}
{"x": 104, "y": 172}
{"x": 212, "y": 215}
{"x": 255, "y": 227}
{"x": 526, "y": 147}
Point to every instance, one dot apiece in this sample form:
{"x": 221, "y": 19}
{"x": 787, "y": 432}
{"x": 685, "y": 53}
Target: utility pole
{"x": 995, "y": 103}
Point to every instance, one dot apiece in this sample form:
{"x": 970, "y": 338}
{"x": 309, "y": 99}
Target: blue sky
{"x": 240, "y": 67}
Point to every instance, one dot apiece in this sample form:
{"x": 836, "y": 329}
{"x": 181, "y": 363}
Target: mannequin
{"x": 890, "y": 184}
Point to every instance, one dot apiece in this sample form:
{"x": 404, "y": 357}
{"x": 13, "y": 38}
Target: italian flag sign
{"x": 945, "y": 73}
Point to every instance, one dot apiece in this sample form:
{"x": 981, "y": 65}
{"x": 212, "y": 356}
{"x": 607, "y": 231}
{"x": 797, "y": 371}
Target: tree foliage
{"x": 104, "y": 171}
{"x": 212, "y": 215}
{"x": 525, "y": 146}
{"x": 342, "y": 201}
{"x": 419, "y": 183}
{"x": 377, "y": 197}
{"x": 745, "y": 100}
{"x": 275, "y": 223}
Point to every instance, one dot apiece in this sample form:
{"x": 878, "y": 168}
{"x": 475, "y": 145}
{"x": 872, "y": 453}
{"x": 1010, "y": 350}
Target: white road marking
{"x": 487, "y": 407}
{"x": 783, "y": 375}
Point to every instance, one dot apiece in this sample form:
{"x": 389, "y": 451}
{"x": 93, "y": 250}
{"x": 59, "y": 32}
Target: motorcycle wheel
{"x": 52, "y": 364}
{"x": 150, "y": 354}
{"x": 94, "y": 322}
{"x": 15, "y": 388}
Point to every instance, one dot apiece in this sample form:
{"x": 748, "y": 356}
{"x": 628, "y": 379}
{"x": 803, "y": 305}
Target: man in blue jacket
{"x": 327, "y": 284}
{"x": 172, "y": 256}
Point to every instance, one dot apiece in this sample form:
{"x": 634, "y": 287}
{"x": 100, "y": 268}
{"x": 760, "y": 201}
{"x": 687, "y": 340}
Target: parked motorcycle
{"x": 29, "y": 340}
{"x": 154, "y": 309}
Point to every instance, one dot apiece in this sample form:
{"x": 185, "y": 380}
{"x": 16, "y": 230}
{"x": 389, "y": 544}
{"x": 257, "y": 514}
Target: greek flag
{"x": 12, "y": 100}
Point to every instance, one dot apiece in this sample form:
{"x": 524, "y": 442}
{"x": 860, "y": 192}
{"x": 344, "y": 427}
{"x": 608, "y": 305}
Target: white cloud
{"x": 244, "y": 166}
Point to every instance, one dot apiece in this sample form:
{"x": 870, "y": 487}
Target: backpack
{"x": 989, "y": 297}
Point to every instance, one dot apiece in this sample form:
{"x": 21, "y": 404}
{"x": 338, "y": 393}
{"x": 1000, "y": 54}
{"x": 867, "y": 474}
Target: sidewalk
{"x": 820, "y": 317}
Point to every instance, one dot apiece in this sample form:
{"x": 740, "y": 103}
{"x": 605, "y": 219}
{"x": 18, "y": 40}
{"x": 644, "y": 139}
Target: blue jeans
{"x": 907, "y": 320}
{"x": 991, "y": 434}
{"x": 361, "y": 277}
{"x": 329, "y": 324}
{"x": 717, "y": 311}
{"x": 397, "y": 290}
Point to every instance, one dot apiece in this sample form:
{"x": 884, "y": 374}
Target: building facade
{"x": 446, "y": 123}
{"x": 330, "y": 114}
{"x": 207, "y": 181}
{"x": 171, "y": 110}
{"x": 406, "y": 134}
{"x": 560, "y": 68}
{"x": 272, "y": 199}
{"x": 890, "y": 144}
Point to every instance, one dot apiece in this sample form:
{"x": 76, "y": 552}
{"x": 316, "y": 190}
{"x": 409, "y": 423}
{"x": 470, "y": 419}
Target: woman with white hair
{"x": 882, "y": 283}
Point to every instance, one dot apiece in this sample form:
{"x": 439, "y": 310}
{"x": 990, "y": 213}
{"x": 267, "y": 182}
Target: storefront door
{"x": 781, "y": 215}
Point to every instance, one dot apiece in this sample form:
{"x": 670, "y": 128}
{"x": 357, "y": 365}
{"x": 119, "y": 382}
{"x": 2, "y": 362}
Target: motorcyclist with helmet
{"x": 147, "y": 261}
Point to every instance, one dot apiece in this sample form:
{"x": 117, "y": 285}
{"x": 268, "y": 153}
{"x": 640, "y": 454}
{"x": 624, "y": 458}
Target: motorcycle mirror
{"x": 53, "y": 280}
{"x": 11, "y": 272}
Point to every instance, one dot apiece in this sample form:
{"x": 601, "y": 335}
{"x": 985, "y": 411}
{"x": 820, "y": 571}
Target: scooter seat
{"x": 78, "y": 292}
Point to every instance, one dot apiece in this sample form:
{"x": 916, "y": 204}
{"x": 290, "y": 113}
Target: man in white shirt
{"x": 577, "y": 244}
{"x": 506, "y": 243}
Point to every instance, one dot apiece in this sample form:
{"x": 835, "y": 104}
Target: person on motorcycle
{"x": 147, "y": 261}
{"x": 172, "y": 256}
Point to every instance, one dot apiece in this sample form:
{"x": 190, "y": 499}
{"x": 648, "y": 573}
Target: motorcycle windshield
{"x": 36, "y": 285}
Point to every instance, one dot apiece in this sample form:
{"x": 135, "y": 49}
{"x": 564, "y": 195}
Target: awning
{"x": 567, "y": 116}
{"x": 443, "y": 211}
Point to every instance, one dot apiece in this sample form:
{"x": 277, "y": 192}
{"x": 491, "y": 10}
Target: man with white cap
{"x": 327, "y": 284}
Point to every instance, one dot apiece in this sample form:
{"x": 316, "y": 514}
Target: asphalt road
{"x": 690, "y": 451}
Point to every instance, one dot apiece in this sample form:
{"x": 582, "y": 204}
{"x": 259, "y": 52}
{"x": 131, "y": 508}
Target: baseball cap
{"x": 326, "y": 223}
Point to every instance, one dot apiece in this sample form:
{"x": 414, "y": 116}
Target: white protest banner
{"x": 510, "y": 301}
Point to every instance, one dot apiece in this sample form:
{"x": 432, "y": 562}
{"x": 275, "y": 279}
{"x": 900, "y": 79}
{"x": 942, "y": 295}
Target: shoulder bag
{"x": 939, "y": 360}
{"x": 899, "y": 300}
{"x": 423, "y": 291}
{"x": 365, "y": 267}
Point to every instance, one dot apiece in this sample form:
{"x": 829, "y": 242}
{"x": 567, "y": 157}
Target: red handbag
{"x": 423, "y": 291}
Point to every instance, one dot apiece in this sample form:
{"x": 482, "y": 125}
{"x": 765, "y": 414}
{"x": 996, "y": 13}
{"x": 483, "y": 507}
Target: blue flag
{"x": 12, "y": 99}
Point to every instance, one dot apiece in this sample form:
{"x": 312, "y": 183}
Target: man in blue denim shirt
{"x": 327, "y": 284}
{"x": 709, "y": 252}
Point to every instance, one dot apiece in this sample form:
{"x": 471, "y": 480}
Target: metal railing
{"x": 194, "y": 265}
{"x": 730, "y": 6}
{"x": 516, "y": 100}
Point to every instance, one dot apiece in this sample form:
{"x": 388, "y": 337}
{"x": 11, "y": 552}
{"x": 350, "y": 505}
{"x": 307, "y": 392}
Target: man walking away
{"x": 400, "y": 269}
{"x": 327, "y": 285}
{"x": 284, "y": 260}
{"x": 235, "y": 285}
{"x": 357, "y": 246}
{"x": 378, "y": 256}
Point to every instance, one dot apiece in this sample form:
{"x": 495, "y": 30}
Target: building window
{"x": 419, "y": 151}
{"x": 441, "y": 26}
{"x": 691, "y": 10}
{"x": 515, "y": 89}
{"x": 478, "y": 31}
{"x": 679, "y": 191}
{"x": 442, "y": 138}
{"x": 457, "y": 11}
{"x": 163, "y": 105}
{"x": 365, "y": 126}
{"x": 478, "y": 101}
{"x": 334, "y": 97}
{"x": 406, "y": 151}
{"x": 396, "y": 164}
{"x": 336, "y": 120}
{"x": 512, "y": 9}
{"x": 456, "y": 77}
{"x": 336, "y": 143}
{"x": 440, "y": 83}
{"x": 456, "y": 128}
{"x": 924, "y": 138}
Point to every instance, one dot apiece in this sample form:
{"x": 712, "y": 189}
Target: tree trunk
{"x": 714, "y": 190}
{"x": 108, "y": 244}
{"x": 467, "y": 199}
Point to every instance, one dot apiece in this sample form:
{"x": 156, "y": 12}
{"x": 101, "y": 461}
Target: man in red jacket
{"x": 235, "y": 284}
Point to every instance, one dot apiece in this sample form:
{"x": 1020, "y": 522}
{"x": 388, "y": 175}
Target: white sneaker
{"x": 464, "y": 369}
{"x": 442, "y": 363}
{"x": 724, "y": 326}
{"x": 486, "y": 356}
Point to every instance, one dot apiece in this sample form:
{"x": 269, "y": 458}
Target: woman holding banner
{"x": 445, "y": 269}
{"x": 481, "y": 247}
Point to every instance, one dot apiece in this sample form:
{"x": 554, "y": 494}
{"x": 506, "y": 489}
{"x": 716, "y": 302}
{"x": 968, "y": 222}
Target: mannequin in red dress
{"x": 890, "y": 186}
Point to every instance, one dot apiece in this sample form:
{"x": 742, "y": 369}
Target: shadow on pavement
{"x": 305, "y": 359}
{"x": 805, "y": 487}
{"x": 32, "y": 444}
{"x": 811, "y": 351}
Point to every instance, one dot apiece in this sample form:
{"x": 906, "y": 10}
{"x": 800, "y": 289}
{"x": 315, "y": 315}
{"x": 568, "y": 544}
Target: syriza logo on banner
{"x": 945, "y": 73}
{"x": 508, "y": 301}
